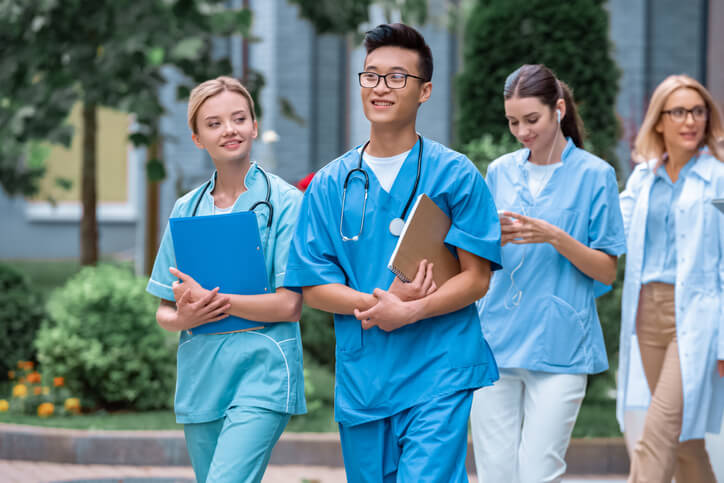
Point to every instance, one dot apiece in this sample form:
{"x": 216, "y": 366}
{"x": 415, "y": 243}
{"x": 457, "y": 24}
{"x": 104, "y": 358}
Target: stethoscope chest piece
{"x": 396, "y": 226}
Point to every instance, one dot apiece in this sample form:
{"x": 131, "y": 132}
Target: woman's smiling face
{"x": 225, "y": 128}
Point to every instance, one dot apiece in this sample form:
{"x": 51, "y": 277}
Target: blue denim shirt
{"x": 660, "y": 245}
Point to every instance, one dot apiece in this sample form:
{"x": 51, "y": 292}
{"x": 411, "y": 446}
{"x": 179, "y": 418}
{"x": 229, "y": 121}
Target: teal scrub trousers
{"x": 235, "y": 448}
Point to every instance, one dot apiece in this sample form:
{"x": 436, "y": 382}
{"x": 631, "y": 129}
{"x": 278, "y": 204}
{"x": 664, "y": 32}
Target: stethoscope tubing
{"x": 266, "y": 202}
{"x": 361, "y": 170}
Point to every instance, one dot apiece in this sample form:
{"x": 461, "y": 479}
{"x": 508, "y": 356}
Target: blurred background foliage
{"x": 501, "y": 35}
{"x": 114, "y": 54}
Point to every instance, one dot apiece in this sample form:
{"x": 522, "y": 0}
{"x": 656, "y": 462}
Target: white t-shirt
{"x": 539, "y": 175}
{"x": 386, "y": 169}
{"x": 220, "y": 211}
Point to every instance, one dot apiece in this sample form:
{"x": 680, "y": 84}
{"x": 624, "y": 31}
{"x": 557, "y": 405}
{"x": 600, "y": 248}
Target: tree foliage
{"x": 501, "y": 35}
{"x": 102, "y": 53}
{"x": 345, "y": 16}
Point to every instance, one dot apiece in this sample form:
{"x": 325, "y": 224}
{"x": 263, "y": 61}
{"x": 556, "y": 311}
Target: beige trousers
{"x": 658, "y": 455}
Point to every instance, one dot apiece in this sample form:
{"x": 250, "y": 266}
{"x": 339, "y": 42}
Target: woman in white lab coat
{"x": 674, "y": 282}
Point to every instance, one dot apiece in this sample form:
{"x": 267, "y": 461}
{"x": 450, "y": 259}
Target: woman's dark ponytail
{"x": 537, "y": 80}
{"x": 571, "y": 124}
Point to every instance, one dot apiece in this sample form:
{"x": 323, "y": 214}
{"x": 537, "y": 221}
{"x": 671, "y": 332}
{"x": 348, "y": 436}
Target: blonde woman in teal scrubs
{"x": 235, "y": 392}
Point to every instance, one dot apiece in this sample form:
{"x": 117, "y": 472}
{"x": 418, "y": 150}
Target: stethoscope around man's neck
{"x": 266, "y": 202}
{"x": 396, "y": 224}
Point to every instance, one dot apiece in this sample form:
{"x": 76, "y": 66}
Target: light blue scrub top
{"x": 382, "y": 373}
{"x": 660, "y": 246}
{"x": 260, "y": 368}
{"x": 554, "y": 326}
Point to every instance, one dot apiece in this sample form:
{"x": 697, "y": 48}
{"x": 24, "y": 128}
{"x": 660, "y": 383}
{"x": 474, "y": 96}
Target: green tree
{"x": 103, "y": 53}
{"x": 345, "y": 16}
{"x": 571, "y": 38}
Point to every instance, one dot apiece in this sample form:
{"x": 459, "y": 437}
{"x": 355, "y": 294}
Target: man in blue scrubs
{"x": 409, "y": 356}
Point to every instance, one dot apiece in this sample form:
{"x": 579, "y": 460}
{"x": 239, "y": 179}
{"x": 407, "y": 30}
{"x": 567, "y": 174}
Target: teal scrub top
{"x": 380, "y": 373}
{"x": 260, "y": 368}
{"x": 540, "y": 312}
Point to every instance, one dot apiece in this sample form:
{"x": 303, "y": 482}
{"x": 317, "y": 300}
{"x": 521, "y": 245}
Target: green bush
{"x": 22, "y": 312}
{"x": 319, "y": 392}
{"x": 609, "y": 312}
{"x": 317, "y": 329}
{"x": 571, "y": 39}
{"x": 102, "y": 337}
{"x": 486, "y": 149}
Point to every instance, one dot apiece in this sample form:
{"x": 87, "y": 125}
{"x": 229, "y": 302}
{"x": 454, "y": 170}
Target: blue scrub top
{"x": 260, "y": 368}
{"x": 381, "y": 373}
{"x": 660, "y": 246}
{"x": 540, "y": 312}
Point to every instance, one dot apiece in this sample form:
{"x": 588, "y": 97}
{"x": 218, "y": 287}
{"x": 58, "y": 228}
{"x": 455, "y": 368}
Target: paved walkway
{"x": 16, "y": 471}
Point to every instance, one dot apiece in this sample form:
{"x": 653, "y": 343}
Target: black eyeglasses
{"x": 393, "y": 80}
{"x": 679, "y": 114}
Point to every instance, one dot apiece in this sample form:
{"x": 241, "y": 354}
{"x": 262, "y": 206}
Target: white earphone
{"x": 558, "y": 114}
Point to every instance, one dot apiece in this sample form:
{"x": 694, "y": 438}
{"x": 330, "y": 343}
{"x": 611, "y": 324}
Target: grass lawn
{"x": 319, "y": 421}
{"x": 596, "y": 420}
{"x": 153, "y": 420}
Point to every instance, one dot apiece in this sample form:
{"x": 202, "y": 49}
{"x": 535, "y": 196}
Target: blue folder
{"x": 224, "y": 251}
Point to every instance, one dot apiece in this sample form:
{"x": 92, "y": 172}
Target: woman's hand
{"x": 519, "y": 229}
{"x": 720, "y": 367}
{"x": 210, "y": 308}
{"x": 185, "y": 314}
{"x": 421, "y": 286}
{"x": 187, "y": 283}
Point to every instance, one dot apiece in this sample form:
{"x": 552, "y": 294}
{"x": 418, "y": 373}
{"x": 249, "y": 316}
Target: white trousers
{"x": 522, "y": 425}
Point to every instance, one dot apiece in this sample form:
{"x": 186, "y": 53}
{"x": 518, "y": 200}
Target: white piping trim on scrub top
{"x": 160, "y": 284}
{"x": 286, "y": 364}
{"x": 184, "y": 342}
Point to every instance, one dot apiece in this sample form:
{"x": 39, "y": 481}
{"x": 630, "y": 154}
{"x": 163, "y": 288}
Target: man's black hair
{"x": 401, "y": 35}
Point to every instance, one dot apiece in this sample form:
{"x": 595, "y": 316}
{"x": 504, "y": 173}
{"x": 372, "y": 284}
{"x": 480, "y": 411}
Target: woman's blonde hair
{"x": 210, "y": 88}
{"x": 650, "y": 143}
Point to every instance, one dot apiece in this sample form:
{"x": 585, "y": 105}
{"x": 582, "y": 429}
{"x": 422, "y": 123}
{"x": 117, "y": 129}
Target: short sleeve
{"x": 312, "y": 255}
{"x": 291, "y": 202}
{"x": 475, "y": 224}
{"x": 605, "y": 225}
{"x": 161, "y": 279}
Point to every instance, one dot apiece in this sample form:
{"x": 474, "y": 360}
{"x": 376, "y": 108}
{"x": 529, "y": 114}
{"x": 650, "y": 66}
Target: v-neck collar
{"x": 254, "y": 189}
{"x": 524, "y": 189}
{"x": 396, "y": 199}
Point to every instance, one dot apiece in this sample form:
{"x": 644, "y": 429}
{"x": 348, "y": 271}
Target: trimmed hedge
{"x": 102, "y": 337}
{"x": 22, "y": 312}
{"x": 571, "y": 39}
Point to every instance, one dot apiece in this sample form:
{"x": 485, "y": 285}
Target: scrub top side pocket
{"x": 348, "y": 333}
{"x": 564, "y": 333}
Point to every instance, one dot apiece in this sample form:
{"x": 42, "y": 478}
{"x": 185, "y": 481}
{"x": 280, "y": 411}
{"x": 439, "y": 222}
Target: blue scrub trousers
{"x": 235, "y": 448}
{"x": 425, "y": 443}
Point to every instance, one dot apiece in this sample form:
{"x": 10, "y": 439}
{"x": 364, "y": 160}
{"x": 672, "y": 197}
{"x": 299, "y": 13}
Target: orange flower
{"x": 58, "y": 381}
{"x": 26, "y": 365}
{"x": 45, "y": 409}
{"x": 4, "y": 406}
{"x": 72, "y": 405}
{"x": 37, "y": 390}
{"x": 34, "y": 377}
{"x": 11, "y": 375}
{"x": 20, "y": 390}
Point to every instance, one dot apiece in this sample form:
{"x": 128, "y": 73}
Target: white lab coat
{"x": 699, "y": 288}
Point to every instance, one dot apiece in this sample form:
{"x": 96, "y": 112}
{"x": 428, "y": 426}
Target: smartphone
{"x": 719, "y": 203}
{"x": 501, "y": 216}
